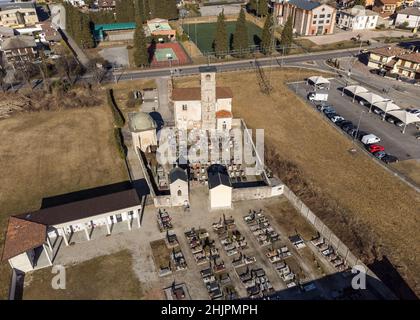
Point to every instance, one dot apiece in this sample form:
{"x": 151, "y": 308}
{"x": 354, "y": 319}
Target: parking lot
{"x": 403, "y": 146}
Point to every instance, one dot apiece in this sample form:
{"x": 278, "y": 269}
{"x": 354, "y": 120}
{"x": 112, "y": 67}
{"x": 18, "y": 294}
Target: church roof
{"x": 194, "y": 94}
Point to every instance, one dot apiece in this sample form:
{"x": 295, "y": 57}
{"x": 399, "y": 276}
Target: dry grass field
{"x": 50, "y": 153}
{"x": 88, "y": 281}
{"x": 373, "y": 212}
{"x": 410, "y": 168}
{"x": 161, "y": 254}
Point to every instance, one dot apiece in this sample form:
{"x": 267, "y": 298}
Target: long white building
{"x": 351, "y": 19}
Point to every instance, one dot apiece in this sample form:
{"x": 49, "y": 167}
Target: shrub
{"x": 119, "y": 143}
{"x": 118, "y": 117}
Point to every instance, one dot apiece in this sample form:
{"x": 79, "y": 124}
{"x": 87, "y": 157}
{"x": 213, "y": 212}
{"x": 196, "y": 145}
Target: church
{"x": 206, "y": 107}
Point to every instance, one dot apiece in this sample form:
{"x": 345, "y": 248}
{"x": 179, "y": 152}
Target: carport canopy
{"x": 354, "y": 90}
{"x": 386, "y": 106}
{"x": 404, "y": 116}
{"x": 317, "y": 80}
{"x": 370, "y": 97}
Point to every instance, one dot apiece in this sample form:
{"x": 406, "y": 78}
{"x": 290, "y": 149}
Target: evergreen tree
{"x": 262, "y": 8}
{"x": 141, "y": 55}
{"x": 221, "y": 39}
{"x": 240, "y": 37}
{"x": 140, "y": 10}
{"x": 253, "y": 5}
{"x": 287, "y": 35}
{"x": 147, "y": 11}
{"x": 267, "y": 36}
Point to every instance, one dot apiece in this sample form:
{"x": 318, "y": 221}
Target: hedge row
{"x": 119, "y": 142}
{"x": 118, "y": 117}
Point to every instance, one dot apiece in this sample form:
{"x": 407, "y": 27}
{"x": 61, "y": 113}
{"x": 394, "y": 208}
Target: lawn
{"x": 309, "y": 46}
{"x": 371, "y": 210}
{"x": 50, "y": 153}
{"x": 105, "y": 277}
{"x": 202, "y": 34}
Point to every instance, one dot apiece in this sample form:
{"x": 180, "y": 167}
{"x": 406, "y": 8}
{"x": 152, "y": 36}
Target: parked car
{"x": 352, "y": 132}
{"x": 417, "y": 135}
{"x": 370, "y": 139}
{"x": 360, "y": 134}
{"x": 379, "y": 112}
{"x": 389, "y": 158}
{"x": 390, "y": 119}
{"x": 336, "y": 118}
{"x": 379, "y": 154}
{"x": 317, "y": 96}
{"x": 328, "y": 110}
{"x": 399, "y": 123}
{"x": 375, "y": 147}
{"x": 341, "y": 124}
{"x": 347, "y": 127}
{"x": 414, "y": 111}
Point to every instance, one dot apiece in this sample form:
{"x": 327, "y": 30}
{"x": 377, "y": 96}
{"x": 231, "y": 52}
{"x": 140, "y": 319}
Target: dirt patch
{"x": 160, "y": 254}
{"x": 89, "y": 280}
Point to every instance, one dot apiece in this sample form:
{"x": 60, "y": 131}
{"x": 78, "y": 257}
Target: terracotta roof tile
{"x": 22, "y": 235}
{"x": 389, "y": 51}
{"x": 412, "y": 56}
{"x": 223, "y": 114}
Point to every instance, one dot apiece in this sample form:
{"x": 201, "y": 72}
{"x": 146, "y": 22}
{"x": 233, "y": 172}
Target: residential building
{"x": 48, "y": 33}
{"x": 396, "y": 60}
{"x": 19, "y": 49}
{"x": 18, "y": 14}
{"x": 386, "y": 7}
{"x": 309, "y": 17}
{"x": 6, "y": 32}
{"x": 408, "y": 65}
{"x": 408, "y": 17}
{"x": 33, "y": 239}
{"x": 353, "y": 19}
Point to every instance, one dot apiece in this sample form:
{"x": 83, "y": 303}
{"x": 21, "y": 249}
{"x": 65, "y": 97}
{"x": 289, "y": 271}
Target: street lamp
{"x": 353, "y": 149}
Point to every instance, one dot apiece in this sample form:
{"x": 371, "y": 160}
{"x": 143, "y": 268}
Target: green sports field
{"x": 162, "y": 54}
{"x": 202, "y": 34}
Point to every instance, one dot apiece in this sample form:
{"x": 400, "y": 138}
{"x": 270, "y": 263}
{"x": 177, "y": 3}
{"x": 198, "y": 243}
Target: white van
{"x": 318, "y": 96}
{"x": 370, "y": 138}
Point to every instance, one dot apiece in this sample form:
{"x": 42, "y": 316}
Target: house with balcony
{"x": 408, "y": 65}
{"x": 395, "y": 60}
{"x": 18, "y": 14}
{"x": 386, "y": 8}
{"x": 19, "y": 49}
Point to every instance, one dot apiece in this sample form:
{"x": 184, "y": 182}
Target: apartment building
{"x": 309, "y": 17}
{"x": 408, "y": 17}
{"x": 17, "y": 15}
{"x": 351, "y": 19}
{"x": 19, "y": 49}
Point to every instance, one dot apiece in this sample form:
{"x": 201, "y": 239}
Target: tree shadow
{"x": 152, "y": 50}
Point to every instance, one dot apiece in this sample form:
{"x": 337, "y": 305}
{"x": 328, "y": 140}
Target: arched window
{"x": 179, "y": 193}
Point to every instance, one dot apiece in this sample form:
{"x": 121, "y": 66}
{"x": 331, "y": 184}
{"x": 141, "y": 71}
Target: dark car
{"x": 390, "y": 119}
{"x": 331, "y": 115}
{"x": 417, "y": 135}
{"x": 379, "y": 154}
{"x": 341, "y": 124}
{"x": 328, "y": 110}
{"x": 352, "y": 132}
{"x": 387, "y": 158}
{"x": 347, "y": 127}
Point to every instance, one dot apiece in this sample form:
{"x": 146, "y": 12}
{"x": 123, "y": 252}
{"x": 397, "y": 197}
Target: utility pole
{"x": 353, "y": 149}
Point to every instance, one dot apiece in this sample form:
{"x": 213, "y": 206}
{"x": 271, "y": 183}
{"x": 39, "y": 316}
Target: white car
{"x": 336, "y": 118}
{"x": 370, "y": 138}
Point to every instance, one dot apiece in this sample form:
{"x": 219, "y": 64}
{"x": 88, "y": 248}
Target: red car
{"x": 375, "y": 148}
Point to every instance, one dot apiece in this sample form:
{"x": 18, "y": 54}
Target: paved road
{"x": 230, "y": 66}
{"x": 164, "y": 110}
{"x": 404, "y": 146}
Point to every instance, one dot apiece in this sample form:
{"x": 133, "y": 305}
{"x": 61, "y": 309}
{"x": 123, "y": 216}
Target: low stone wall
{"x": 251, "y": 193}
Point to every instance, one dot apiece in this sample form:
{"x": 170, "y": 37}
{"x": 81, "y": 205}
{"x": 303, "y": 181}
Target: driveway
{"x": 341, "y": 35}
